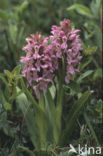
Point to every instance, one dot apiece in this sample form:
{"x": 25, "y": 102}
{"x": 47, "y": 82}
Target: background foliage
{"x": 20, "y": 18}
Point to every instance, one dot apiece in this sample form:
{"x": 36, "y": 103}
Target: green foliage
{"x": 4, "y": 16}
{"x": 68, "y": 114}
{"x": 91, "y": 128}
{"x": 73, "y": 115}
{"x": 81, "y": 9}
{"x": 90, "y": 50}
{"x": 84, "y": 75}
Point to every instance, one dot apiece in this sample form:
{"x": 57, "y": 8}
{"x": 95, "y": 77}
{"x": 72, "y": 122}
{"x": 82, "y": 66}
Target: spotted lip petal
{"x": 68, "y": 42}
{"x": 43, "y": 56}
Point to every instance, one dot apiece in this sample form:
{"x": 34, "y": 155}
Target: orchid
{"x": 44, "y": 56}
{"x": 67, "y": 45}
{"x": 37, "y": 64}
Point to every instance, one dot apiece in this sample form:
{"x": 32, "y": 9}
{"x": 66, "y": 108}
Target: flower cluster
{"x": 44, "y": 54}
{"x": 67, "y": 45}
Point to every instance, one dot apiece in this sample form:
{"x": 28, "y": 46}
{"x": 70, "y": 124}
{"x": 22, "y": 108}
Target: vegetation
{"x": 67, "y": 114}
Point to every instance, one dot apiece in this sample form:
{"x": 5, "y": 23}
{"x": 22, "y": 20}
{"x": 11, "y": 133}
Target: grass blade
{"x": 73, "y": 115}
{"x": 91, "y": 128}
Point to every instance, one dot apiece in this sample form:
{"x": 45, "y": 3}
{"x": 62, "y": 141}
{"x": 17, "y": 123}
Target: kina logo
{"x": 84, "y": 151}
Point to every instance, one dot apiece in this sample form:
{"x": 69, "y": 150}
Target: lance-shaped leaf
{"x": 73, "y": 115}
{"x": 81, "y": 9}
{"x": 41, "y": 119}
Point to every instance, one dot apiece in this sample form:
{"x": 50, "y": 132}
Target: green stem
{"x": 59, "y": 108}
{"x": 60, "y": 98}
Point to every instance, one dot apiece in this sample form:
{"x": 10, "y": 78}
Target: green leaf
{"x": 86, "y": 63}
{"x": 84, "y": 75}
{"x": 23, "y": 6}
{"x": 81, "y": 9}
{"x": 41, "y": 119}
{"x": 74, "y": 86}
{"x": 16, "y": 70}
{"x": 3, "y": 79}
{"x": 13, "y": 32}
{"x": 7, "y": 73}
{"x": 91, "y": 128}
{"x": 52, "y": 91}
{"x": 14, "y": 94}
{"x": 22, "y": 148}
{"x": 4, "y": 125}
{"x": 52, "y": 115}
{"x": 99, "y": 108}
{"x": 97, "y": 74}
{"x": 90, "y": 50}
{"x": 26, "y": 91}
{"x": 19, "y": 38}
{"x": 95, "y": 5}
{"x": 24, "y": 105}
{"x": 73, "y": 115}
{"x": 6, "y": 104}
{"x": 3, "y": 15}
